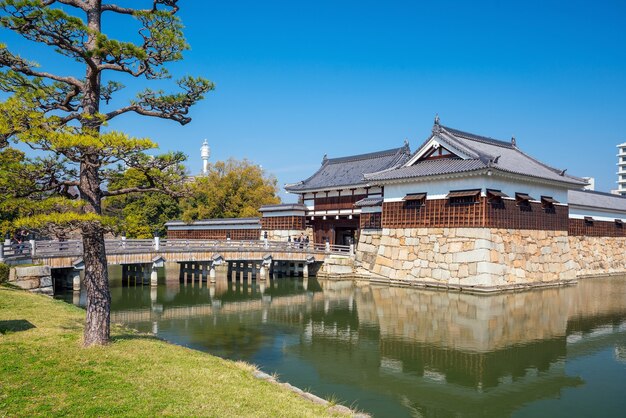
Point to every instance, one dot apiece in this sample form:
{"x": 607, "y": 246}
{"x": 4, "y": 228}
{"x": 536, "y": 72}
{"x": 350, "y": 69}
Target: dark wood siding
{"x": 283, "y": 223}
{"x": 218, "y": 234}
{"x": 440, "y": 213}
{"x": 579, "y": 227}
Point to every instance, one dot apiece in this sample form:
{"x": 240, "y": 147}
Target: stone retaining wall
{"x": 479, "y": 258}
{"x": 598, "y": 256}
{"x": 37, "y": 279}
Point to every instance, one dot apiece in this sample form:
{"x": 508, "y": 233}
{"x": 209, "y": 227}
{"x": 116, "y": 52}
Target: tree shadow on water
{"x": 15, "y": 325}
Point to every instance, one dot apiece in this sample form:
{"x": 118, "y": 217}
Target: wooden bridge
{"x": 199, "y": 260}
{"x": 65, "y": 254}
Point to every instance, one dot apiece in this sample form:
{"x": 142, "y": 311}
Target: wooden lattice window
{"x": 464, "y": 197}
{"x": 547, "y": 203}
{"x": 523, "y": 201}
{"x": 414, "y": 200}
{"x": 494, "y": 197}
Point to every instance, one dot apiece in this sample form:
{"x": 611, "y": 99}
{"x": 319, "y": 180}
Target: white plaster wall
{"x": 372, "y": 209}
{"x": 438, "y": 189}
{"x": 577, "y": 212}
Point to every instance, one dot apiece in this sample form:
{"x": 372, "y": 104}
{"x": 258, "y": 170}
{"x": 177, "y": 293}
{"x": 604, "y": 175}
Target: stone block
{"x": 32, "y": 271}
{"x": 471, "y": 256}
{"x": 45, "y": 281}
{"x": 44, "y": 290}
{"x": 27, "y": 283}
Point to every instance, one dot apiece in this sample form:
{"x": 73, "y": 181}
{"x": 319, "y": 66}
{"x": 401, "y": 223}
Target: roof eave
{"x": 441, "y": 176}
{"x": 323, "y": 189}
{"x": 573, "y": 184}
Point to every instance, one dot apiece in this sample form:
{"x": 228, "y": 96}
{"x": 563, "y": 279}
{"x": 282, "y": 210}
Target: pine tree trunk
{"x": 98, "y": 324}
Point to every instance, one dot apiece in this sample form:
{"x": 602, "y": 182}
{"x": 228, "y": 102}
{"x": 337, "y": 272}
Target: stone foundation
{"x": 598, "y": 256}
{"x": 37, "y": 279}
{"x": 477, "y": 258}
{"x": 337, "y": 267}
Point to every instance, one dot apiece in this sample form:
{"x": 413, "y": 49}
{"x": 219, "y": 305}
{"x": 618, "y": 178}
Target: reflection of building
{"x": 492, "y": 354}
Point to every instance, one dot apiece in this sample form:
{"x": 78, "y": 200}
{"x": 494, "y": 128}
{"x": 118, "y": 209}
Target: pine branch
{"x": 129, "y": 11}
{"x": 19, "y": 65}
{"x": 49, "y": 26}
{"x": 172, "y": 106}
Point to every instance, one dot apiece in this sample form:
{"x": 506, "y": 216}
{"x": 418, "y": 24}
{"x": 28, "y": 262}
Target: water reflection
{"x": 399, "y": 351}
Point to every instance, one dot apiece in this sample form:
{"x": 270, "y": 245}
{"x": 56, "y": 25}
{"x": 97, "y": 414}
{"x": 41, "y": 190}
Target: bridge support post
{"x": 212, "y": 273}
{"x": 262, "y": 272}
{"x": 154, "y": 276}
{"x": 75, "y": 274}
{"x": 305, "y": 270}
{"x": 33, "y": 247}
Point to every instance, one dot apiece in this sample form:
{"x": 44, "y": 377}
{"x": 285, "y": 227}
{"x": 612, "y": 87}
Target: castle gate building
{"x": 337, "y": 196}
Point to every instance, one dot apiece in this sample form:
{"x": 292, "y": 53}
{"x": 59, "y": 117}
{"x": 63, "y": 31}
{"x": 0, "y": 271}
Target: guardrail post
{"x": 33, "y": 247}
{"x": 2, "y": 253}
{"x": 351, "y": 249}
{"x": 327, "y": 247}
{"x": 157, "y": 243}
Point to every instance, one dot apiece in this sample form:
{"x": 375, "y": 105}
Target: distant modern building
{"x": 591, "y": 183}
{"x": 621, "y": 169}
{"x": 205, "y": 153}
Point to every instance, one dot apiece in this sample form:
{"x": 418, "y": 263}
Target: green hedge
{"x": 4, "y": 273}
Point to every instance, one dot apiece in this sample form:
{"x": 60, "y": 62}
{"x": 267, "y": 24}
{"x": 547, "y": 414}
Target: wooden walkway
{"x": 66, "y": 254}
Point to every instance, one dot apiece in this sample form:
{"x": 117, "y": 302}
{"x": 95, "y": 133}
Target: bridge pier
{"x": 75, "y": 274}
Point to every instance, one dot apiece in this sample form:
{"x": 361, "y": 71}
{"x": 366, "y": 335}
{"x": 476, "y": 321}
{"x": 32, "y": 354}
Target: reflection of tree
{"x": 620, "y": 353}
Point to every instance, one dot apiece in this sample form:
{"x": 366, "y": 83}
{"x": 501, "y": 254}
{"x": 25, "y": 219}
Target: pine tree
{"x": 65, "y": 117}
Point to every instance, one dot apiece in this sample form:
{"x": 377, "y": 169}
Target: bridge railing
{"x": 69, "y": 248}
{"x": 16, "y": 252}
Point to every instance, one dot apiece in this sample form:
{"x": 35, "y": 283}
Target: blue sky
{"x": 297, "y": 80}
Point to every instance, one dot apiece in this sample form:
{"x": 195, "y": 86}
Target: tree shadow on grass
{"x": 15, "y": 325}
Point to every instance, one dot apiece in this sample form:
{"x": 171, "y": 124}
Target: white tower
{"x": 205, "y": 153}
{"x": 621, "y": 169}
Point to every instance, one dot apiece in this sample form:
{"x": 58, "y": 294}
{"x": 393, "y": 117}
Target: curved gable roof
{"x": 479, "y": 152}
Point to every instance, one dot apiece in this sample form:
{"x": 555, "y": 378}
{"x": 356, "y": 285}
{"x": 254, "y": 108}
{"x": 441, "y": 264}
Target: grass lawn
{"x": 44, "y": 371}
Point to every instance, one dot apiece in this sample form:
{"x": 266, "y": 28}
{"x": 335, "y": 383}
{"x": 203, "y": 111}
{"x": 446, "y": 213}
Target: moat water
{"x": 398, "y": 352}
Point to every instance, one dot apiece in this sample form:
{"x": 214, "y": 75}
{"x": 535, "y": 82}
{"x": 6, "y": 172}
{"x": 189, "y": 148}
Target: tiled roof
{"x": 599, "y": 200}
{"x": 428, "y": 168}
{"x": 349, "y": 171}
{"x": 282, "y": 207}
{"x": 369, "y": 201}
{"x": 479, "y": 152}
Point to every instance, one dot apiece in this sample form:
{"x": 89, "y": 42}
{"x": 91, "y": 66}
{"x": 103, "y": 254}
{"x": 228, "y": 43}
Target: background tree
{"x": 140, "y": 215}
{"x": 63, "y": 115}
{"x": 231, "y": 189}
